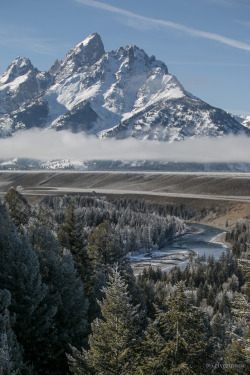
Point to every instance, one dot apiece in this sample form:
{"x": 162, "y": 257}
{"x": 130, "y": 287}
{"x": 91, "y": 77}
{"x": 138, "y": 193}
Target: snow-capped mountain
{"x": 122, "y": 93}
{"x": 244, "y": 120}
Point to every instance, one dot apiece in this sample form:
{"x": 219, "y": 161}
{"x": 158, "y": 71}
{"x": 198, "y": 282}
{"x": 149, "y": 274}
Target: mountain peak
{"x": 84, "y": 54}
{"x": 122, "y": 93}
{"x": 91, "y": 49}
{"x": 93, "y": 38}
{"x": 21, "y": 62}
{"x": 134, "y": 54}
{"x": 20, "y": 66}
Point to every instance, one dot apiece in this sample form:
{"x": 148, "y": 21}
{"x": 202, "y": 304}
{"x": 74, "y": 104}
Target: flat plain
{"x": 224, "y": 196}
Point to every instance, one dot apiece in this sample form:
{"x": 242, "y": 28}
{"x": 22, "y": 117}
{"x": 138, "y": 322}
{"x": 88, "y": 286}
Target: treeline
{"x": 55, "y": 258}
{"x": 239, "y": 237}
{"x": 141, "y": 226}
{"x": 69, "y": 301}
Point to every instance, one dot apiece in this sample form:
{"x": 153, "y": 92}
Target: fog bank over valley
{"x": 47, "y": 145}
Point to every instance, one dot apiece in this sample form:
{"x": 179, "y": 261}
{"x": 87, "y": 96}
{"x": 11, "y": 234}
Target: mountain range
{"x": 122, "y": 93}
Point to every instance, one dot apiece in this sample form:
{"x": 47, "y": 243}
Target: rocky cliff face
{"x": 122, "y": 93}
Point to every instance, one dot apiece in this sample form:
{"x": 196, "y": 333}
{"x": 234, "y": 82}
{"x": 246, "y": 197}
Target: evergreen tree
{"x": 104, "y": 248}
{"x": 244, "y": 264}
{"x": 18, "y": 207}
{"x": 151, "y": 346}
{"x": 127, "y": 274}
{"x": 11, "y": 361}
{"x": 150, "y": 296}
{"x": 65, "y": 294}
{"x": 78, "y": 362}
{"x": 186, "y": 349}
{"x": 72, "y": 312}
{"x": 69, "y": 232}
{"x": 70, "y": 237}
{"x": 19, "y": 273}
{"x": 114, "y": 339}
{"x": 220, "y": 339}
{"x": 238, "y": 352}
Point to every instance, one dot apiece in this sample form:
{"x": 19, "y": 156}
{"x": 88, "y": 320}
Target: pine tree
{"x": 185, "y": 349}
{"x": 114, "y": 339}
{"x": 78, "y": 362}
{"x": 151, "y": 346}
{"x": 244, "y": 264}
{"x": 72, "y": 312}
{"x": 18, "y": 207}
{"x": 104, "y": 248}
{"x": 19, "y": 273}
{"x": 218, "y": 325}
{"x": 238, "y": 352}
{"x": 69, "y": 231}
{"x": 127, "y": 274}
{"x": 187, "y": 333}
{"x": 11, "y": 361}
{"x": 70, "y": 237}
{"x": 65, "y": 294}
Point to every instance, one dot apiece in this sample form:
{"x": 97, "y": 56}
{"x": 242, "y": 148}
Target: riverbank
{"x": 161, "y": 261}
{"x": 221, "y": 239}
{"x": 201, "y": 240}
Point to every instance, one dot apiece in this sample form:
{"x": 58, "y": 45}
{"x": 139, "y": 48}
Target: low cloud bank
{"x": 49, "y": 145}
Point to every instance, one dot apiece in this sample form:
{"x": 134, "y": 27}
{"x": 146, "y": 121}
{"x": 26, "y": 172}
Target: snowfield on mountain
{"x": 119, "y": 94}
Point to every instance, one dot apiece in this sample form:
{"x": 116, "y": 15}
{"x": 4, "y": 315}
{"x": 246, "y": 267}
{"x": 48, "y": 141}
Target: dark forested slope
{"x": 69, "y": 300}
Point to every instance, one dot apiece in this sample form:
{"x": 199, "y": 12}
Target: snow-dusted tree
{"x": 151, "y": 346}
{"x": 70, "y": 236}
{"x": 19, "y": 273}
{"x": 238, "y": 353}
{"x": 11, "y": 362}
{"x": 114, "y": 339}
{"x": 18, "y": 207}
{"x": 71, "y": 315}
{"x": 244, "y": 264}
{"x": 186, "y": 347}
{"x": 65, "y": 294}
{"x": 69, "y": 231}
{"x": 127, "y": 274}
{"x": 104, "y": 248}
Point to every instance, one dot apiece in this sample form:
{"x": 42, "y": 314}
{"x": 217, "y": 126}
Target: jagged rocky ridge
{"x": 122, "y": 93}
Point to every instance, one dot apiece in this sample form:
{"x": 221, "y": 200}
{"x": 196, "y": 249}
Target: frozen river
{"x": 199, "y": 242}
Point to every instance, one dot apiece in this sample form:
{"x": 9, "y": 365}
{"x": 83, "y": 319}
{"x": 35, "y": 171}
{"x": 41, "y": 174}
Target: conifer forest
{"x": 70, "y": 303}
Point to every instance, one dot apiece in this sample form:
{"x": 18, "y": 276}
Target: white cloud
{"x": 153, "y": 22}
{"x": 49, "y": 145}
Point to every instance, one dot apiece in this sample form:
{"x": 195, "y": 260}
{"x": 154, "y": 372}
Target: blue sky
{"x": 205, "y": 43}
